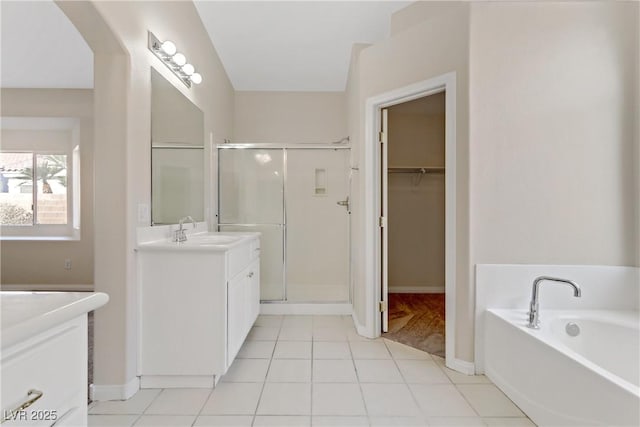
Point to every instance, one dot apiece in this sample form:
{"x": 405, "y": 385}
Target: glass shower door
{"x": 251, "y": 197}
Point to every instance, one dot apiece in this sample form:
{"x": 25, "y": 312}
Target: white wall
{"x": 289, "y": 117}
{"x": 117, "y": 33}
{"x": 37, "y": 262}
{"x": 554, "y": 116}
{"x": 437, "y": 45}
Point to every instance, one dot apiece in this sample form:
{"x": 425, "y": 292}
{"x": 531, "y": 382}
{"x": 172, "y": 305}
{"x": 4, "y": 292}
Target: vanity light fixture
{"x": 168, "y": 53}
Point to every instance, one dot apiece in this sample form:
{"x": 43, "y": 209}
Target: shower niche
{"x": 297, "y": 197}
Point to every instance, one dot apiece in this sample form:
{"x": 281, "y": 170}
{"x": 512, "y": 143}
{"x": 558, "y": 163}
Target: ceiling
{"x": 292, "y": 45}
{"x": 264, "y": 45}
{"x": 41, "y": 48}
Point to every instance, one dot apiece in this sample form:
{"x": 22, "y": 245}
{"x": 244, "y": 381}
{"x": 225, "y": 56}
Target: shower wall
{"x": 416, "y": 201}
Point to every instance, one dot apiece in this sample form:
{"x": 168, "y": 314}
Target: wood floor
{"x": 417, "y": 320}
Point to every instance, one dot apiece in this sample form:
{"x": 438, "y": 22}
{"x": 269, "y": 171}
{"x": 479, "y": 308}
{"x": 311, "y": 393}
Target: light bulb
{"x": 168, "y": 47}
{"x": 196, "y": 78}
{"x": 188, "y": 69}
{"x": 179, "y": 59}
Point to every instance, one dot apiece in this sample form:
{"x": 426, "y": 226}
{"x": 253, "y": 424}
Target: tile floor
{"x": 317, "y": 371}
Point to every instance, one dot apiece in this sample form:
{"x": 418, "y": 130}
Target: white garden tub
{"x": 557, "y": 379}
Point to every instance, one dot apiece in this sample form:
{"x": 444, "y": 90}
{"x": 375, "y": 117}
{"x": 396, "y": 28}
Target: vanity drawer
{"x": 53, "y": 363}
{"x": 239, "y": 257}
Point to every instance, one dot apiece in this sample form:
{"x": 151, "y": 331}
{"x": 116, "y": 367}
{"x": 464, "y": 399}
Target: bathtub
{"x": 557, "y": 379}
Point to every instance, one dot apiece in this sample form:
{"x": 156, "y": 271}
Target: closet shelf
{"x": 418, "y": 169}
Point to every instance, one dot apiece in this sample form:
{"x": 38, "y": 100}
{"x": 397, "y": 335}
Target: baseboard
{"x": 318, "y": 308}
{"x": 177, "y": 381}
{"x": 47, "y": 287}
{"x": 360, "y": 329}
{"x": 462, "y": 366}
{"x": 116, "y": 391}
{"x": 416, "y": 289}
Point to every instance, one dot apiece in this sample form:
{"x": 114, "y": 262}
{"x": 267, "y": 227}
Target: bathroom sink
{"x": 199, "y": 242}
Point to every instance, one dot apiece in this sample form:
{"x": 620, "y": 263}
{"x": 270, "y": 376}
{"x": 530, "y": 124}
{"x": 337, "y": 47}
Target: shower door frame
{"x": 284, "y": 147}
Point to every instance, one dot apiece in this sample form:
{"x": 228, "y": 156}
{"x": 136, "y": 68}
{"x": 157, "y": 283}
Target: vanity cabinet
{"x": 44, "y": 357}
{"x": 197, "y": 305}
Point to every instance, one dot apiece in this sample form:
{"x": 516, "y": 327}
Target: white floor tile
{"x": 263, "y": 333}
{"x": 352, "y": 335}
{"x": 285, "y": 399}
{"x": 441, "y": 400}
{"x": 134, "y": 405}
{"x": 329, "y": 334}
{"x": 508, "y": 422}
{"x": 401, "y": 352}
{"x": 389, "y": 400}
{"x": 273, "y": 321}
{"x": 337, "y": 399}
{"x": 289, "y": 371}
{"x": 296, "y": 333}
{"x": 369, "y": 350}
{"x": 422, "y": 372}
{"x": 328, "y": 322}
{"x": 334, "y": 371}
{"x": 333, "y": 421}
{"x": 166, "y": 420}
{"x": 398, "y": 421}
{"x": 247, "y": 370}
{"x": 112, "y": 420}
{"x": 489, "y": 401}
{"x": 179, "y": 401}
{"x": 224, "y": 421}
{"x": 282, "y": 421}
{"x": 455, "y": 422}
{"x": 458, "y": 377}
{"x": 297, "y": 321}
{"x": 293, "y": 350}
{"x": 233, "y": 399}
{"x": 377, "y": 371}
{"x": 256, "y": 350}
{"x": 331, "y": 350}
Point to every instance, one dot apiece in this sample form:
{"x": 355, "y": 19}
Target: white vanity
{"x": 198, "y": 300}
{"x": 44, "y": 357}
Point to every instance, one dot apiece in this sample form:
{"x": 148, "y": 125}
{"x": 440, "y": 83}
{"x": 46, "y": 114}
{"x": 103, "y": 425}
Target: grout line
{"x": 203, "y": 405}
{"x": 264, "y": 382}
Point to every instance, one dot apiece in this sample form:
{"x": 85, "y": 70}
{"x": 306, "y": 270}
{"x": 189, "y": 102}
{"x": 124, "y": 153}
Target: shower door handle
{"x": 344, "y": 203}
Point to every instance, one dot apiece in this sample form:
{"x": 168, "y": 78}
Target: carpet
{"x": 417, "y": 320}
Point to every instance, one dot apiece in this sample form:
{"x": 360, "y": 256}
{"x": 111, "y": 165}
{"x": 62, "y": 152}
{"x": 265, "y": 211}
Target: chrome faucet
{"x": 534, "y": 321}
{"x": 178, "y": 235}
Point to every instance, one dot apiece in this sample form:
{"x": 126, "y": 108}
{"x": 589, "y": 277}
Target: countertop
{"x": 199, "y": 242}
{"x": 25, "y": 314}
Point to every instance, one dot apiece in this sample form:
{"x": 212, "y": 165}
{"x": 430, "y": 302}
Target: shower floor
{"x": 418, "y": 320}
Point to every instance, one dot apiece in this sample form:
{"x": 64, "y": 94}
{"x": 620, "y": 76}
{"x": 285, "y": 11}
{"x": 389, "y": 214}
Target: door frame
{"x": 372, "y": 201}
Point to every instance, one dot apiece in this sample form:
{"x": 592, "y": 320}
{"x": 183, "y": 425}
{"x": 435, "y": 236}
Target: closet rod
{"x": 425, "y": 170}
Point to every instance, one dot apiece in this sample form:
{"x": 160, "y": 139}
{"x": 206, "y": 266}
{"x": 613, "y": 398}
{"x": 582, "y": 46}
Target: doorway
{"x": 376, "y": 287}
{"x": 413, "y": 195}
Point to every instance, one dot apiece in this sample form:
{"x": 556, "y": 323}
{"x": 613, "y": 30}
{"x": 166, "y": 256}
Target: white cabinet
{"x": 197, "y": 305}
{"x": 51, "y": 370}
{"x": 243, "y": 306}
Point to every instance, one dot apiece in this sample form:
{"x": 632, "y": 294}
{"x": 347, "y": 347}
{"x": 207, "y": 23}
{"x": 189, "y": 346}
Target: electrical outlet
{"x": 67, "y": 264}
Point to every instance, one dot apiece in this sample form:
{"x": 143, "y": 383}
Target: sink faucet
{"x": 178, "y": 235}
{"x": 534, "y": 321}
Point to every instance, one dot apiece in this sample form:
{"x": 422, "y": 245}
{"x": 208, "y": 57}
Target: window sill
{"x": 39, "y": 239}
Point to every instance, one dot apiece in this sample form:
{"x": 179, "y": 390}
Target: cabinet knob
{"x": 250, "y": 274}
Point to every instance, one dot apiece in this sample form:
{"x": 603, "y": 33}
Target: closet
{"x": 416, "y": 222}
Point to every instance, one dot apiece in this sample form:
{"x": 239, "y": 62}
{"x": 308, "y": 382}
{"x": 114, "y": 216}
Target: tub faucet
{"x": 534, "y": 321}
{"x": 179, "y": 235}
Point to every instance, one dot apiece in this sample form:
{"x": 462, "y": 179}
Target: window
{"x": 39, "y": 180}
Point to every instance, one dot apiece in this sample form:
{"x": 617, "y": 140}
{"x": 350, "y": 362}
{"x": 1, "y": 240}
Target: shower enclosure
{"x": 297, "y": 196}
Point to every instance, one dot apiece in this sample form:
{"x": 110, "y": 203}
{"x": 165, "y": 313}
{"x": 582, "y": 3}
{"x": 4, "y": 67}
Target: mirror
{"x": 177, "y": 154}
